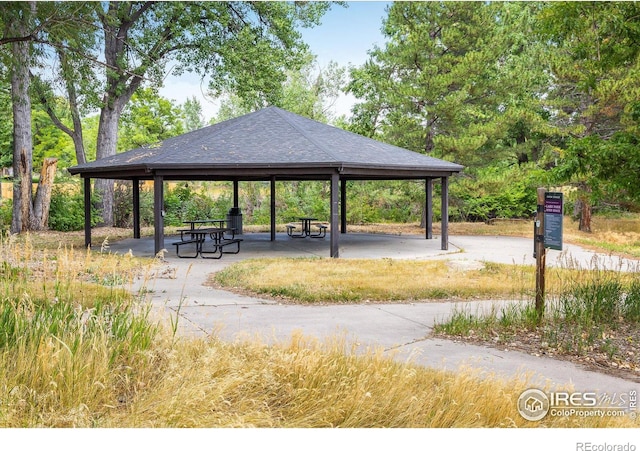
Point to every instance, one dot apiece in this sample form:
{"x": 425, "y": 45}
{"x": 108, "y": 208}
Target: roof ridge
{"x": 315, "y": 142}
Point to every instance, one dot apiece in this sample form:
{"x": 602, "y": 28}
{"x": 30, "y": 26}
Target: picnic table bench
{"x": 305, "y": 228}
{"x": 198, "y": 236}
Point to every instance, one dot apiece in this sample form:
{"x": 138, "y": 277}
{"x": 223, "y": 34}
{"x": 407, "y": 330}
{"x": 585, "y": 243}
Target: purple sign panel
{"x": 553, "y": 207}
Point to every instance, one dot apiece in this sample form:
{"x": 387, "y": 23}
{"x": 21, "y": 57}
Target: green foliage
{"x": 67, "y": 208}
{"x": 50, "y": 141}
{"x": 496, "y": 192}
{"x": 454, "y": 79}
{"x": 123, "y": 205}
{"x": 6, "y": 124}
{"x": 308, "y": 91}
{"x": 149, "y": 118}
{"x": 192, "y": 110}
{"x": 184, "y": 203}
{"x": 6, "y": 212}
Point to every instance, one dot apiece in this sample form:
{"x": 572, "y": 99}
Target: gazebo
{"x": 268, "y": 145}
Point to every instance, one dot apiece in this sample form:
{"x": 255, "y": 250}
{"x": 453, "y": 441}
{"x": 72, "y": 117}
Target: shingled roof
{"x": 269, "y": 142}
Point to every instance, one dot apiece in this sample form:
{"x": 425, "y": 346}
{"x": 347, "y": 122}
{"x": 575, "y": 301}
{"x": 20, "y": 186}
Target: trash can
{"x": 234, "y": 220}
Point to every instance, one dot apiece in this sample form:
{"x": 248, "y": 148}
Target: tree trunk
{"x": 106, "y": 147}
{"x": 22, "y": 137}
{"x": 584, "y": 206}
{"x": 43, "y": 194}
{"x": 585, "y": 216}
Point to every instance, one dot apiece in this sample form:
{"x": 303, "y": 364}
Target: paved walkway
{"x": 402, "y": 330}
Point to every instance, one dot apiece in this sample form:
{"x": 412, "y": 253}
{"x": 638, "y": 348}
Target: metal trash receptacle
{"x": 234, "y": 220}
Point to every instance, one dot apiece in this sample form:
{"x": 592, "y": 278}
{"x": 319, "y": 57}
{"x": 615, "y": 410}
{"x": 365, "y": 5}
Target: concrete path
{"x": 401, "y": 330}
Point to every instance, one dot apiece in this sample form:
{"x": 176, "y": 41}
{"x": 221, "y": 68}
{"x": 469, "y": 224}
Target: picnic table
{"x": 305, "y": 229}
{"x": 196, "y": 235}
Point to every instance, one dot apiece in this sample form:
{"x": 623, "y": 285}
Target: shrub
{"x": 67, "y": 209}
{"x": 496, "y": 192}
{"x": 6, "y": 214}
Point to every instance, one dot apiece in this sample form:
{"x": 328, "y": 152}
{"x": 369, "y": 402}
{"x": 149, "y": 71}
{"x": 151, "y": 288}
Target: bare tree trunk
{"x": 585, "y": 217}
{"x": 22, "y": 137}
{"x": 106, "y": 147}
{"x": 585, "y": 208}
{"x": 43, "y": 194}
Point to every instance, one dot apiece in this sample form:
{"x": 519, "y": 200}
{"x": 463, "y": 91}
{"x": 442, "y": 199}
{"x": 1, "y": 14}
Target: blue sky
{"x": 345, "y": 36}
{"x": 347, "y": 33}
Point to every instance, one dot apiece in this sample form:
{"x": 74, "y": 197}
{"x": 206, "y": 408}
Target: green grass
{"x": 590, "y": 315}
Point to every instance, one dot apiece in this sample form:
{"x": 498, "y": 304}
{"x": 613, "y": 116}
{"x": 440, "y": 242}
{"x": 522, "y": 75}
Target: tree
{"x": 453, "y": 80}
{"x": 193, "y": 119}
{"x": 18, "y": 28}
{"x": 594, "y": 64}
{"x": 309, "y": 91}
{"x": 6, "y": 125}
{"x": 147, "y": 119}
{"x": 25, "y": 26}
{"x": 242, "y": 46}
{"x": 312, "y": 90}
{"x": 49, "y": 141}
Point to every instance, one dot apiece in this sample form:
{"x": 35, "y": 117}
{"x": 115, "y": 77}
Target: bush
{"x": 67, "y": 209}
{"x": 496, "y": 192}
{"x": 184, "y": 203}
{"x": 6, "y": 214}
{"x": 123, "y": 205}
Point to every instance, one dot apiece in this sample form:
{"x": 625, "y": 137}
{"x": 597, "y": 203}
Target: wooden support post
{"x": 540, "y": 253}
{"x": 335, "y": 246}
{"x": 273, "y": 208}
{"x": 158, "y": 213}
{"x": 444, "y": 206}
{"x": 235, "y": 194}
{"x": 428, "y": 187}
{"x": 136, "y": 208}
{"x": 343, "y": 206}
{"x": 87, "y": 212}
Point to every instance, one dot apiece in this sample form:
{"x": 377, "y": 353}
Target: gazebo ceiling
{"x": 268, "y": 143}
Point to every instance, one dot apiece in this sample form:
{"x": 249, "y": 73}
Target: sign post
{"x": 540, "y": 253}
{"x": 547, "y": 234}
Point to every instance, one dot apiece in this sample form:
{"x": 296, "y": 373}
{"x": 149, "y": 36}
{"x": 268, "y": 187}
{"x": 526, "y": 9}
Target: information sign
{"x": 553, "y": 208}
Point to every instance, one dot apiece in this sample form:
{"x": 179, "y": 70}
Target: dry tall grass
{"x": 306, "y": 384}
{"x": 77, "y": 351}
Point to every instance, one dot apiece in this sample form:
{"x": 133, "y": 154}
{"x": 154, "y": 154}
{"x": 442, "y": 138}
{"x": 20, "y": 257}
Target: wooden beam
{"x": 136, "y": 207}
{"x": 235, "y": 193}
{"x": 273, "y": 208}
{"x": 428, "y": 187}
{"x": 158, "y": 213}
{"x": 445, "y": 214}
{"x": 343, "y": 206}
{"x": 87, "y": 212}
{"x": 335, "y": 245}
